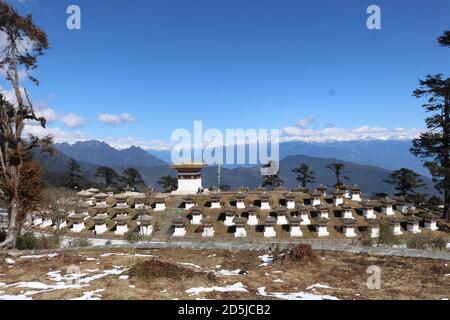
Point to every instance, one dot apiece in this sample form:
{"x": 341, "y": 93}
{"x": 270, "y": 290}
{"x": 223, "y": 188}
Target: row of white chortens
{"x": 288, "y": 212}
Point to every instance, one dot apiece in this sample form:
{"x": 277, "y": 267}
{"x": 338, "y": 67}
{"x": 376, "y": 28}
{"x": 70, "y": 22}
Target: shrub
{"x": 300, "y": 253}
{"x": 29, "y": 241}
{"x": 387, "y": 236}
{"x": 439, "y": 243}
{"x": 79, "y": 243}
{"x": 417, "y": 242}
{"x": 151, "y": 269}
{"x": 132, "y": 237}
{"x": 2, "y": 236}
{"x": 108, "y": 243}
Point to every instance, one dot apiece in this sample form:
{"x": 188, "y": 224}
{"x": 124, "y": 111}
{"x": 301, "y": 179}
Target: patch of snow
{"x": 189, "y": 265}
{"x": 278, "y": 281}
{"x": 123, "y": 277}
{"x": 90, "y": 295}
{"x": 132, "y": 287}
{"x": 10, "y": 261}
{"x": 91, "y": 259}
{"x": 49, "y": 256}
{"x": 277, "y": 271}
{"x": 16, "y": 297}
{"x": 228, "y": 273}
{"x": 294, "y": 296}
{"x": 2, "y": 284}
{"x": 218, "y": 266}
{"x": 127, "y": 255}
{"x": 266, "y": 260}
{"x": 164, "y": 291}
{"x": 212, "y": 255}
{"x": 237, "y": 287}
{"x": 320, "y": 286}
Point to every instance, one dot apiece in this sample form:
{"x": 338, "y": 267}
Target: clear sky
{"x": 152, "y": 66}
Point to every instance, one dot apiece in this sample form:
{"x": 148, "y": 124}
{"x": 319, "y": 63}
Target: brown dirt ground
{"x": 402, "y": 278}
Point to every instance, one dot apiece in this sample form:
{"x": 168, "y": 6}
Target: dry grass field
{"x": 201, "y": 274}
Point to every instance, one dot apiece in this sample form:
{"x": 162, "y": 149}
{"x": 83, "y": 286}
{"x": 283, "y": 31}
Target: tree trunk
{"x": 14, "y": 226}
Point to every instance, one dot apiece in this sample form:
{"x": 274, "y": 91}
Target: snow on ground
{"x": 237, "y": 287}
{"x": 294, "y": 296}
{"x": 266, "y": 260}
{"x": 91, "y": 259}
{"x": 15, "y": 297}
{"x": 278, "y": 281}
{"x": 228, "y": 273}
{"x": 61, "y": 282}
{"x": 189, "y": 265}
{"x": 320, "y": 286}
{"x": 127, "y": 255}
{"x": 10, "y": 261}
{"x": 123, "y": 277}
{"x": 91, "y": 295}
{"x": 50, "y": 256}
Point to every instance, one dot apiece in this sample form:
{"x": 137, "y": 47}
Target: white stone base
{"x": 240, "y": 205}
{"x": 62, "y": 225}
{"x": 215, "y": 205}
{"x": 349, "y": 232}
{"x": 296, "y": 232}
{"x": 290, "y": 205}
{"x": 356, "y": 197}
{"x": 208, "y": 232}
{"x": 347, "y": 215}
{"x": 389, "y": 211}
{"x": 397, "y": 230}
{"x": 240, "y": 233}
{"x": 414, "y": 228}
{"x": 324, "y": 215}
{"x": 269, "y": 232}
{"x": 160, "y": 207}
{"x": 100, "y": 229}
{"x": 179, "y": 232}
{"x": 196, "y": 219}
{"x": 78, "y": 227}
{"x": 369, "y": 214}
{"x": 229, "y": 221}
{"x": 46, "y": 223}
{"x": 402, "y": 208}
{"x": 146, "y": 231}
{"x": 281, "y": 220}
{"x": 189, "y": 206}
{"x": 139, "y": 206}
{"x": 305, "y": 220}
{"x": 322, "y": 232}
{"x": 338, "y": 202}
{"x": 316, "y": 202}
{"x": 121, "y": 230}
{"x": 252, "y": 220}
{"x": 431, "y": 226}
{"x": 37, "y": 221}
{"x": 375, "y": 233}
{"x": 265, "y": 206}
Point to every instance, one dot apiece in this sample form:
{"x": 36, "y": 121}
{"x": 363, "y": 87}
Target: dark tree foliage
{"x": 405, "y": 181}
{"x": 304, "y": 175}
{"x": 168, "y": 183}
{"x": 24, "y": 44}
{"x": 74, "y": 174}
{"x": 272, "y": 182}
{"x": 132, "y": 178}
{"x": 338, "y": 169}
{"x": 433, "y": 146}
{"x": 110, "y": 177}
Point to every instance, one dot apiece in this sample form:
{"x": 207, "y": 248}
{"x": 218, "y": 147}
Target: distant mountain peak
{"x": 100, "y": 153}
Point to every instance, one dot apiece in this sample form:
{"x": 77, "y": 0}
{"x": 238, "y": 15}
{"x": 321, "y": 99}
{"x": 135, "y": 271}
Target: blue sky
{"x": 235, "y": 64}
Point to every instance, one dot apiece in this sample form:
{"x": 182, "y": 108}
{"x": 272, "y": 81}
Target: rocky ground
{"x": 203, "y": 274}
